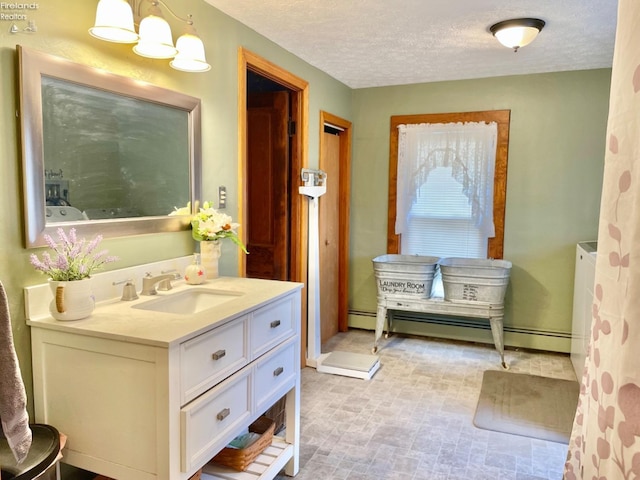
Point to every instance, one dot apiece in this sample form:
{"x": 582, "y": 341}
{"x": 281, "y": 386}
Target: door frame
{"x": 298, "y": 251}
{"x": 344, "y": 192}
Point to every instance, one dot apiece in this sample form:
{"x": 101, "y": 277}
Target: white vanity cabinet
{"x": 144, "y": 395}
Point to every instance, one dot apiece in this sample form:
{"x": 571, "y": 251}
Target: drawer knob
{"x": 219, "y": 354}
{"x": 223, "y": 414}
{"x": 278, "y": 371}
{"x": 275, "y": 323}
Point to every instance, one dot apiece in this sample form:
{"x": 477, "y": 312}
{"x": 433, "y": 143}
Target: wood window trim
{"x": 502, "y": 118}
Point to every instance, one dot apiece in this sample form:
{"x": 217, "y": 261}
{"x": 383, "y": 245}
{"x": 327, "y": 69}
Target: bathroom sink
{"x": 189, "y": 301}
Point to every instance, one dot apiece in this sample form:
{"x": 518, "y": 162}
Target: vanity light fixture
{"x": 115, "y": 23}
{"x": 190, "y": 57}
{"x": 518, "y": 32}
{"x": 155, "y": 36}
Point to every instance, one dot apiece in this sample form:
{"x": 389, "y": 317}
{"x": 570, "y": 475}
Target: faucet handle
{"x": 129, "y": 291}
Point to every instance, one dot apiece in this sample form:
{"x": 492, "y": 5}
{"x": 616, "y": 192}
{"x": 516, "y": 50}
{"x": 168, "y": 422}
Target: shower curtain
{"x": 605, "y": 443}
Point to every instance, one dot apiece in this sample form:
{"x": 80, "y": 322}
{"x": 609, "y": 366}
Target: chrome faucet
{"x": 149, "y": 283}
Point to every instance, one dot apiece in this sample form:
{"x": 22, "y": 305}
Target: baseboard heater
{"x": 450, "y": 321}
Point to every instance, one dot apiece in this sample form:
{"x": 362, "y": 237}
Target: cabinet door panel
{"x": 274, "y": 376}
{"x": 211, "y": 357}
{"x": 271, "y": 325}
{"x": 212, "y": 420}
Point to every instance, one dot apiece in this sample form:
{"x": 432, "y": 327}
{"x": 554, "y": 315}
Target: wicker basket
{"x": 240, "y": 458}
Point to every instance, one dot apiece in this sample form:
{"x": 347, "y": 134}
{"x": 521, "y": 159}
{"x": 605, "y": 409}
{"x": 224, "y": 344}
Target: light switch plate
{"x": 222, "y": 196}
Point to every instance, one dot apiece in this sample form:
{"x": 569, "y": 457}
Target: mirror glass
{"x": 104, "y": 153}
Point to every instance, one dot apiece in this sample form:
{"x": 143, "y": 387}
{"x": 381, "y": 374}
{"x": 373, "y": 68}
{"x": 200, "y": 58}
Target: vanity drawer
{"x": 275, "y": 374}
{"x": 209, "y": 422}
{"x": 271, "y": 325}
{"x": 211, "y": 357}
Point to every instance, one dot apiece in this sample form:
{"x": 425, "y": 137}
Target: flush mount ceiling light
{"x": 518, "y": 32}
{"x": 115, "y": 23}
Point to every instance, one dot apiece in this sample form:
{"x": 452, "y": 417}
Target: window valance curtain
{"x": 469, "y": 149}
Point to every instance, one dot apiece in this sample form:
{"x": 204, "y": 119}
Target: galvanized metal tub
{"x": 404, "y": 276}
{"x": 474, "y": 279}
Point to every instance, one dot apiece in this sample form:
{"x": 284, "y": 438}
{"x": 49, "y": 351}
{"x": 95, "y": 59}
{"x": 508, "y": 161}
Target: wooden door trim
{"x": 248, "y": 60}
{"x": 344, "y": 192}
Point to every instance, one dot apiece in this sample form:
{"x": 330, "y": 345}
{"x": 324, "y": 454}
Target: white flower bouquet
{"x": 210, "y": 225}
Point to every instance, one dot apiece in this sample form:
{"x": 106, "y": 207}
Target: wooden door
{"x": 268, "y": 185}
{"x": 329, "y": 226}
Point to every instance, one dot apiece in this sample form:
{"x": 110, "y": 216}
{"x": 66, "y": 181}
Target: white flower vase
{"x": 210, "y": 252}
{"x": 71, "y": 300}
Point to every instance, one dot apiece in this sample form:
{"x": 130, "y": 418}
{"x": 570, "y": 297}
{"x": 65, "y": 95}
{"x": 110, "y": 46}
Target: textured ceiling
{"x": 369, "y": 43}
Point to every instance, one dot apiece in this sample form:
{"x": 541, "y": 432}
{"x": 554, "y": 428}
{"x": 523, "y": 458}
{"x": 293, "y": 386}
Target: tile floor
{"x": 413, "y": 420}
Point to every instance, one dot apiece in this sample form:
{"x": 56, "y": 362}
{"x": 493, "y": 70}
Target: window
{"x": 438, "y": 204}
{"x": 440, "y": 221}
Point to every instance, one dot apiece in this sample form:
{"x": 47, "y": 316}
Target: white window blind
{"x": 440, "y": 222}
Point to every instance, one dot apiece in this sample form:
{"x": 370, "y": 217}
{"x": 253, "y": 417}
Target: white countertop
{"x": 116, "y": 319}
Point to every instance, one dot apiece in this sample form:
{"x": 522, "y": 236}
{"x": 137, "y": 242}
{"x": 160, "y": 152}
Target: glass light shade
{"x": 114, "y": 22}
{"x": 516, "y": 37}
{"x": 518, "y": 32}
{"x": 155, "y": 38}
{"x": 190, "y": 57}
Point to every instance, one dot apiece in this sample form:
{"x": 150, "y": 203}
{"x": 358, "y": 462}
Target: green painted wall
{"x": 556, "y": 159}
{"x": 62, "y": 31}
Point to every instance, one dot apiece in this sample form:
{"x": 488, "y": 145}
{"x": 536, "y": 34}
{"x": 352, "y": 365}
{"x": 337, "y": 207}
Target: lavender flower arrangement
{"x": 75, "y": 258}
